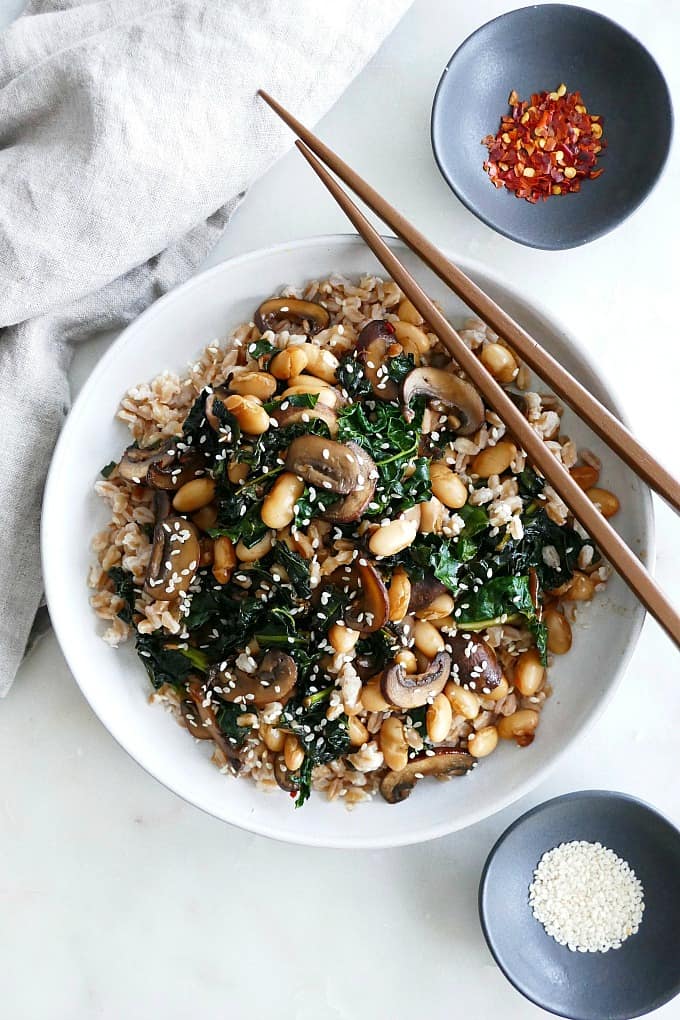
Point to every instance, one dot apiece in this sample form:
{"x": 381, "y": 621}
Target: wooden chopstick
{"x": 613, "y": 547}
{"x": 595, "y": 414}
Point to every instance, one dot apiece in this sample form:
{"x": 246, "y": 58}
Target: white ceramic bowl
{"x": 169, "y": 335}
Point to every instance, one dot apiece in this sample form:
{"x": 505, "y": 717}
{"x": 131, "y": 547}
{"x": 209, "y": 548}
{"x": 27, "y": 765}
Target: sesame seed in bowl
{"x": 579, "y": 902}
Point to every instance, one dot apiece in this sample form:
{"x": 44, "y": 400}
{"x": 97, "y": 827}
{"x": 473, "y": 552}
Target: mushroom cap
{"x": 189, "y": 465}
{"x": 451, "y": 390}
{"x": 274, "y": 680}
{"x": 424, "y": 591}
{"x": 175, "y": 556}
{"x": 353, "y": 505}
{"x": 474, "y": 663}
{"x": 136, "y": 461}
{"x": 323, "y": 463}
{"x": 207, "y": 722}
{"x": 446, "y": 761}
{"x": 370, "y": 611}
{"x": 371, "y": 346}
{"x": 411, "y": 690}
{"x": 297, "y": 415}
{"x": 283, "y": 775}
{"x": 193, "y": 721}
{"x": 281, "y": 309}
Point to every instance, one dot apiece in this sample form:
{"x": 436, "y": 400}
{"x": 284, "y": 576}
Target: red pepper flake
{"x": 545, "y": 147}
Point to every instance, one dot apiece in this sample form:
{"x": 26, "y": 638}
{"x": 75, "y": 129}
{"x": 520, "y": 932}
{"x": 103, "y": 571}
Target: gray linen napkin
{"x": 129, "y": 133}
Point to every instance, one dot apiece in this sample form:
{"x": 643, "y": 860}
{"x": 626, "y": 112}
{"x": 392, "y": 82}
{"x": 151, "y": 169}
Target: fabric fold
{"x": 129, "y": 133}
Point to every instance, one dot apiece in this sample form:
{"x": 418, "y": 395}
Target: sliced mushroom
{"x": 205, "y": 722}
{"x": 323, "y": 463}
{"x": 474, "y": 663}
{"x": 136, "y": 462}
{"x": 192, "y": 720}
{"x": 295, "y": 415}
{"x": 161, "y": 505}
{"x": 189, "y": 465}
{"x": 446, "y": 761}
{"x": 424, "y": 591}
{"x": 283, "y": 776}
{"x": 353, "y": 505}
{"x": 372, "y": 345}
{"x": 174, "y": 558}
{"x": 274, "y": 680}
{"x": 308, "y": 313}
{"x": 411, "y": 690}
{"x": 450, "y": 390}
{"x": 370, "y": 611}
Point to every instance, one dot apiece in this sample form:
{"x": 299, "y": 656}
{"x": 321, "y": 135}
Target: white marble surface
{"x": 119, "y": 900}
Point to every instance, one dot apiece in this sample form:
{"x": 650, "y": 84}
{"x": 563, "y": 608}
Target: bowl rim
{"x": 595, "y": 794}
{"x": 49, "y": 533}
{"x": 592, "y": 235}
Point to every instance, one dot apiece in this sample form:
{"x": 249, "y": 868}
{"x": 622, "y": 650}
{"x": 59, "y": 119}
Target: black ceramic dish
{"x": 627, "y": 982}
{"x": 535, "y": 49}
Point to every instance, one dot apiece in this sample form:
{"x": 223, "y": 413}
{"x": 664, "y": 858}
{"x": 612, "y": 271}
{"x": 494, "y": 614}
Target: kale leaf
{"x": 125, "y": 589}
{"x": 393, "y": 443}
{"x": 238, "y": 517}
{"x": 168, "y": 662}
{"x": 197, "y": 431}
{"x": 530, "y": 484}
{"x": 498, "y": 597}
{"x": 400, "y": 366}
{"x": 541, "y": 533}
{"x": 380, "y": 647}
{"x": 323, "y": 740}
{"x": 500, "y": 600}
{"x": 297, "y": 569}
{"x": 309, "y": 400}
{"x": 259, "y": 348}
{"x": 436, "y": 555}
{"x": 309, "y": 506}
{"x": 352, "y": 378}
{"x": 227, "y": 721}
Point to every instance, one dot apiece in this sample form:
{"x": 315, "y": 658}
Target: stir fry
{"x": 354, "y": 571}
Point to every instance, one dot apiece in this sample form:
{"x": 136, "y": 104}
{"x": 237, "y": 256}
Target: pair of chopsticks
{"x": 602, "y": 421}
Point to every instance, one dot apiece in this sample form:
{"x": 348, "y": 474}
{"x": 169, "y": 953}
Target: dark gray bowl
{"x": 627, "y": 982}
{"x": 530, "y": 50}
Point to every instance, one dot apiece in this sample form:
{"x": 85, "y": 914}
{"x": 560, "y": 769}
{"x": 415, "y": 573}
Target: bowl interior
{"x": 531, "y": 50}
{"x": 626, "y": 982}
{"x": 168, "y": 336}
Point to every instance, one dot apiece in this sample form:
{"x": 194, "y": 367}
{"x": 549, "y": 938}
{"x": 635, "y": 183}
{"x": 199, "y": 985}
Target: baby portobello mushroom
{"x": 288, "y": 415}
{"x": 274, "y": 680}
{"x": 446, "y": 761}
{"x": 189, "y": 465}
{"x": 174, "y": 557}
{"x": 451, "y": 391}
{"x": 474, "y": 663}
{"x": 283, "y": 776}
{"x": 324, "y": 464}
{"x": 202, "y": 723}
{"x": 193, "y": 720}
{"x": 136, "y": 461}
{"x": 370, "y": 611}
{"x": 309, "y": 314}
{"x": 374, "y": 341}
{"x": 411, "y": 690}
{"x": 353, "y": 505}
{"x": 424, "y": 591}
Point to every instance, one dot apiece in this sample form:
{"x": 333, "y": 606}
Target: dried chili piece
{"x": 545, "y": 146}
